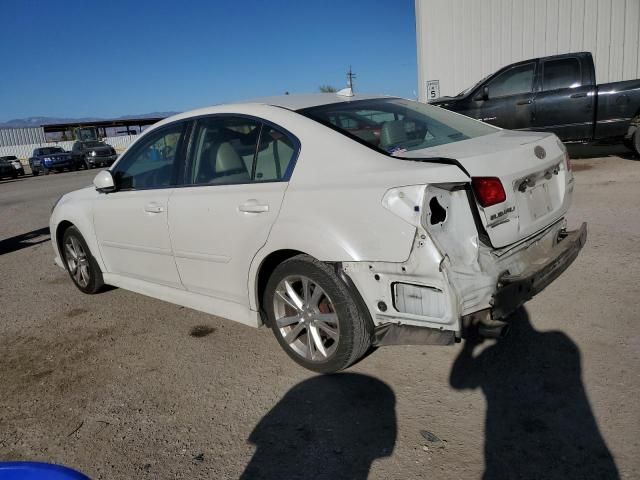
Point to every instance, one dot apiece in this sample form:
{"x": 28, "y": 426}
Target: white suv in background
{"x": 342, "y": 222}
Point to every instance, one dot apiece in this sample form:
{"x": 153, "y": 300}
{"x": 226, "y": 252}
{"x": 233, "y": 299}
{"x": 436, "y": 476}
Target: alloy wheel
{"x": 306, "y": 318}
{"x": 77, "y": 261}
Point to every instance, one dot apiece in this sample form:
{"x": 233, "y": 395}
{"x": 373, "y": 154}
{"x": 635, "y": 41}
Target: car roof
{"x": 289, "y": 102}
{"x": 300, "y": 101}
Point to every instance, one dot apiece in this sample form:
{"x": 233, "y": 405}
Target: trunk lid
{"x": 532, "y": 169}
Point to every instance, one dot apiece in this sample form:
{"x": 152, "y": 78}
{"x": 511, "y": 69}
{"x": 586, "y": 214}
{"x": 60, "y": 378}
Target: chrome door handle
{"x": 524, "y": 102}
{"x": 153, "y": 208}
{"x": 578, "y": 95}
{"x": 252, "y": 206}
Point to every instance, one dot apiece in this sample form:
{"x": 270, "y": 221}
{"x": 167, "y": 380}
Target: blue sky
{"x": 112, "y": 58}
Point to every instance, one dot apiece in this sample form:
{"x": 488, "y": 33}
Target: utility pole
{"x": 350, "y": 77}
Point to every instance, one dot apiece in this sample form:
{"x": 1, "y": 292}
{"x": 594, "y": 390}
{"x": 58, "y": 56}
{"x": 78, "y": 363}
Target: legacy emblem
{"x": 539, "y": 151}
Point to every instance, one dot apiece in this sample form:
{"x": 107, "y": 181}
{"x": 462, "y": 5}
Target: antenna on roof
{"x": 350, "y": 77}
{"x": 348, "y": 92}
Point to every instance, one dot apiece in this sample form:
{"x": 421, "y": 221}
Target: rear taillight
{"x": 563, "y": 148}
{"x": 489, "y": 191}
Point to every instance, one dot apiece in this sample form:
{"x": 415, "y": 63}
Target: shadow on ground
{"x": 24, "y": 240}
{"x": 539, "y": 423}
{"x": 578, "y": 151}
{"x": 327, "y": 427}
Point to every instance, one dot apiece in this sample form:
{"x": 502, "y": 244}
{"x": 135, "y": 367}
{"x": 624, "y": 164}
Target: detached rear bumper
{"x": 515, "y": 290}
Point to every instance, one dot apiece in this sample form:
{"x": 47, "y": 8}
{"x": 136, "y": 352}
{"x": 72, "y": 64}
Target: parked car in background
{"x": 270, "y": 213}
{"x": 14, "y": 162}
{"x": 7, "y": 170}
{"x": 46, "y": 159}
{"x": 555, "y": 94}
{"x": 93, "y": 154}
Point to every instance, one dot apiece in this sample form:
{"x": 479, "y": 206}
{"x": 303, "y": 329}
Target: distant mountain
{"x": 37, "y": 121}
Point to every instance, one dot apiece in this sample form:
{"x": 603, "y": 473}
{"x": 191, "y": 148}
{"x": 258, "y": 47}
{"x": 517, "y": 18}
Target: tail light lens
{"x": 567, "y": 160}
{"x": 489, "y": 190}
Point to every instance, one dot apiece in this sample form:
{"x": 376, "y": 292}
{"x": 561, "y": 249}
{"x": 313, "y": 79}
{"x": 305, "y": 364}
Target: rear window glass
{"x": 396, "y": 125}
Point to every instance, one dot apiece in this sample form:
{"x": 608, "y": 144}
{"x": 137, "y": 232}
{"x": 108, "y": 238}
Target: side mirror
{"x": 485, "y": 93}
{"x": 104, "y": 182}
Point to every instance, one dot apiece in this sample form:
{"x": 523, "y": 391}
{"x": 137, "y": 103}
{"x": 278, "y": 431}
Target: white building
{"x": 462, "y": 41}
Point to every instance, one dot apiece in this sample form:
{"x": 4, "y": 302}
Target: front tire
{"x": 35, "y": 173}
{"x": 81, "y": 265}
{"x": 314, "y": 316}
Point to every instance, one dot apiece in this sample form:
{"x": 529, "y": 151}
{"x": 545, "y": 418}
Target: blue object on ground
{"x": 38, "y": 471}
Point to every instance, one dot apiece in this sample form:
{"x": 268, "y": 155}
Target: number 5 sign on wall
{"x": 433, "y": 89}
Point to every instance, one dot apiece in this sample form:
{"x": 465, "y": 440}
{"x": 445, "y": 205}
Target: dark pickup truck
{"x": 556, "y": 94}
{"x": 93, "y": 154}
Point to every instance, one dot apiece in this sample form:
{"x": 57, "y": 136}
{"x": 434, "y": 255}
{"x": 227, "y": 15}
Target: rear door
{"x": 565, "y": 103}
{"x": 510, "y": 98}
{"x": 237, "y": 175}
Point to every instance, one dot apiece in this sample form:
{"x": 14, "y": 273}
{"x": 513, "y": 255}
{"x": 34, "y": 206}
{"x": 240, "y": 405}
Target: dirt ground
{"x": 121, "y": 386}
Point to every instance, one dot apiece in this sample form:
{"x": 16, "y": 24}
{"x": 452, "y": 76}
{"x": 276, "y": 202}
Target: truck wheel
{"x": 636, "y": 141}
{"x": 46, "y": 171}
{"x": 35, "y": 173}
{"x": 82, "y": 267}
{"x": 314, "y": 317}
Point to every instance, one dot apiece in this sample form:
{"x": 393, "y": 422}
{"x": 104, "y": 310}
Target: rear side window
{"x": 515, "y": 81}
{"x": 235, "y": 150}
{"x": 564, "y": 73}
{"x": 223, "y": 150}
{"x": 274, "y": 156}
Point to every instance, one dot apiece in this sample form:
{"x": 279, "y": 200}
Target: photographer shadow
{"x": 539, "y": 422}
{"x": 327, "y": 427}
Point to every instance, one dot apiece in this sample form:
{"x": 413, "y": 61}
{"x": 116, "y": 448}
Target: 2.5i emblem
{"x": 539, "y": 151}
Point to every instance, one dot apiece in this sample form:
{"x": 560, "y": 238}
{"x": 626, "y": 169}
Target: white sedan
{"x": 341, "y": 222}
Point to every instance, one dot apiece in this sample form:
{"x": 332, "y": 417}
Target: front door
{"x": 509, "y": 103}
{"x": 238, "y": 171}
{"x": 131, "y": 223}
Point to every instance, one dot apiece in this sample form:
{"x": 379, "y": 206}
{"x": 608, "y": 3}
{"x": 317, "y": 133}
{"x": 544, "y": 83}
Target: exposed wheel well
{"x": 60, "y": 229}
{"x": 267, "y": 267}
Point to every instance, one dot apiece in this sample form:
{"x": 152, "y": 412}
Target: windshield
{"x": 50, "y": 150}
{"x": 396, "y": 125}
{"x": 93, "y": 144}
{"x": 467, "y": 90}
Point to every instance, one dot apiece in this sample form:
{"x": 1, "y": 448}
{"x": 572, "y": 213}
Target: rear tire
{"x": 35, "y": 173}
{"x": 314, "y": 316}
{"x": 81, "y": 265}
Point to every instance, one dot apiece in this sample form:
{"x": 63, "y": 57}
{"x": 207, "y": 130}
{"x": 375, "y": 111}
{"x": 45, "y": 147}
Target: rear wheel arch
{"x": 266, "y": 268}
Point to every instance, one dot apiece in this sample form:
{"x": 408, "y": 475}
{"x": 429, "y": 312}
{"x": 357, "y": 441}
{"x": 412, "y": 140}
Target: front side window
{"x": 153, "y": 162}
{"x": 232, "y": 150}
{"x": 515, "y": 81}
{"x": 563, "y": 73}
{"x": 396, "y": 125}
